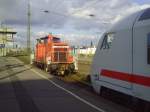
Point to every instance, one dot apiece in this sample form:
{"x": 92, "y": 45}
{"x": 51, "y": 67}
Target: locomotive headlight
{"x": 49, "y": 62}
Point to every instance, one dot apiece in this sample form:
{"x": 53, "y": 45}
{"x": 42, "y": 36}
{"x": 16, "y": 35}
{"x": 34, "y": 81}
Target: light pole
{"x": 29, "y": 31}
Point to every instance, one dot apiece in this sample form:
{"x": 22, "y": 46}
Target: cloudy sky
{"x": 69, "y": 18}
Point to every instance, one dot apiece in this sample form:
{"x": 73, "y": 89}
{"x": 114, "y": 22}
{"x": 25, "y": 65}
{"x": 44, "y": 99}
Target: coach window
{"x": 148, "y": 49}
{"x": 145, "y": 15}
{"x": 107, "y": 41}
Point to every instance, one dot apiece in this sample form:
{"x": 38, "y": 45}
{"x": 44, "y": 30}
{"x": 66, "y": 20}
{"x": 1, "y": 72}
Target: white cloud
{"x": 76, "y": 16}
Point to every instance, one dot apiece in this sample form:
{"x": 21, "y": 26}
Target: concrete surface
{"x": 27, "y": 89}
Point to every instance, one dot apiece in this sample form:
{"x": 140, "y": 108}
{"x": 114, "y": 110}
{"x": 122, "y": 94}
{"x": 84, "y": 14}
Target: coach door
{"x": 114, "y": 59}
{"x": 141, "y": 49}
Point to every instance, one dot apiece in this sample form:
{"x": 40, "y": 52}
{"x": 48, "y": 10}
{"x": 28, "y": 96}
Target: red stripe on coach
{"x": 132, "y": 78}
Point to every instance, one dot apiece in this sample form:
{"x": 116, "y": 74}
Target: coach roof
{"x": 128, "y": 21}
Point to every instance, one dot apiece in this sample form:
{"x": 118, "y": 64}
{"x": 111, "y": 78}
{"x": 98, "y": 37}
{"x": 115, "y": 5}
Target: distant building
{"x": 87, "y": 50}
{"x": 6, "y": 40}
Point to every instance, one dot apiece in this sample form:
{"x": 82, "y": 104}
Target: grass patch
{"x": 82, "y": 78}
{"x": 24, "y": 58}
{"x": 83, "y": 73}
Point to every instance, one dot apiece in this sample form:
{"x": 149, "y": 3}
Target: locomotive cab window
{"x": 107, "y": 41}
{"x": 56, "y": 40}
{"x": 38, "y": 41}
{"x": 148, "y": 49}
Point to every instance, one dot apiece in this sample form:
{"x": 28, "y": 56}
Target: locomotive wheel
{"x": 66, "y": 72}
{"x": 71, "y": 68}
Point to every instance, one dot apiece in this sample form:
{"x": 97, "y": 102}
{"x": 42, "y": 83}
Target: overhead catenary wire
{"x": 87, "y": 6}
{"x": 66, "y": 15}
{"x": 73, "y": 17}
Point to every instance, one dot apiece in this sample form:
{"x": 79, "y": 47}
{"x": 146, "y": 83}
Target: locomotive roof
{"x": 127, "y": 22}
{"x": 47, "y": 38}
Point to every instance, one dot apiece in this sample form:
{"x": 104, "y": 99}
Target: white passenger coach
{"x": 122, "y": 58}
